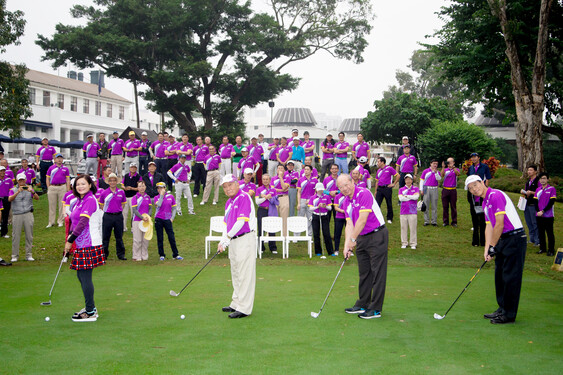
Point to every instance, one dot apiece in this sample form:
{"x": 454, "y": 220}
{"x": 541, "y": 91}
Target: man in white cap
{"x": 181, "y": 173}
{"x": 132, "y": 147}
{"x": 404, "y": 142}
{"x": 44, "y": 160}
{"x": 21, "y": 197}
{"x": 90, "y": 153}
{"x": 240, "y": 237}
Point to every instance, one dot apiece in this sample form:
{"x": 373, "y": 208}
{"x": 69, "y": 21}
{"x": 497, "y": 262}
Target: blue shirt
{"x": 298, "y": 154}
{"x": 481, "y": 169}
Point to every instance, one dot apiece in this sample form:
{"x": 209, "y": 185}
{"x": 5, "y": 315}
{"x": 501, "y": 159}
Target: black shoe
{"x": 445, "y": 225}
{"x": 434, "y": 225}
{"x": 121, "y": 258}
{"x": 4, "y": 263}
{"x": 237, "y": 314}
{"x": 492, "y": 315}
{"x": 370, "y": 314}
{"x": 426, "y": 224}
{"x": 541, "y": 252}
{"x": 550, "y": 253}
{"x": 354, "y": 310}
{"x": 502, "y": 319}
{"x": 228, "y": 309}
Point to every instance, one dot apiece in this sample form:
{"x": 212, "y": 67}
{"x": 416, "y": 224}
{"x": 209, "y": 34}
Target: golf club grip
{"x": 198, "y": 272}
{"x": 464, "y": 289}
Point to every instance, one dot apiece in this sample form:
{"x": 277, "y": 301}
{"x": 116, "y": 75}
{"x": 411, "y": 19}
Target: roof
{"x": 351, "y": 125}
{"x": 71, "y": 85}
{"x": 294, "y": 117}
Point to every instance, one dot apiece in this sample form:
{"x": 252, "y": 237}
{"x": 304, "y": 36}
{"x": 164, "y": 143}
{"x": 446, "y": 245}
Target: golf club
{"x": 315, "y": 314}
{"x": 174, "y": 294}
{"x": 48, "y": 303}
{"x": 440, "y": 317}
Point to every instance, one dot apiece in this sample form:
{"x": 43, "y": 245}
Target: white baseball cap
{"x": 90, "y": 136}
{"x": 405, "y": 137}
{"x": 408, "y": 175}
{"x": 144, "y": 133}
{"x": 363, "y": 159}
{"x": 244, "y": 149}
{"x": 112, "y": 175}
{"x": 21, "y": 176}
{"x": 319, "y": 186}
{"x": 472, "y": 178}
{"x": 248, "y": 170}
{"x": 2, "y": 168}
{"x": 228, "y": 178}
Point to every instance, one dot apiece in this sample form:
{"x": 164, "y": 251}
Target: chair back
{"x": 297, "y": 224}
{"x": 216, "y": 224}
{"x": 272, "y": 224}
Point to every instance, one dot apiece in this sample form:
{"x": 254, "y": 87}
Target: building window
{"x": 109, "y": 110}
{"x": 86, "y": 106}
{"x": 73, "y": 103}
{"x": 121, "y": 112}
{"x": 32, "y": 96}
{"x": 61, "y": 101}
{"x": 98, "y": 108}
{"x": 43, "y": 130}
{"x": 46, "y": 98}
{"x": 30, "y": 128}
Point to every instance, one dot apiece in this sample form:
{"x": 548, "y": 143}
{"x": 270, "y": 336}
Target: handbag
{"x": 421, "y": 206}
{"x": 522, "y": 204}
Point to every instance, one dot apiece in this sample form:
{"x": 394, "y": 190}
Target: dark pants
{"x": 169, "y": 165}
{"x": 385, "y": 192}
{"x": 478, "y": 221}
{"x": 114, "y": 222}
{"x": 325, "y": 168}
{"x": 143, "y": 165}
{"x": 199, "y": 175}
{"x": 85, "y": 278}
{"x": 265, "y": 167}
{"x": 259, "y": 176}
{"x": 261, "y": 213}
{"x": 449, "y": 199}
{"x": 509, "y": 265}
{"x": 322, "y": 223}
{"x": 545, "y": 226}
{"x": 159, "y": 225}
{"x": 402, "y": 178}
{"x": 339, "y": 225}
{"x": 371, "y": 253}
{"x": 43, "y": 167}
{"x": 5, "y": 214}
{"x": 161, "y": 166}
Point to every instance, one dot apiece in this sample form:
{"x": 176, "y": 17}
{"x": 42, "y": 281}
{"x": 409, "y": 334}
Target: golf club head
{"x": 48, "y": 303}
{"x": 173, "y": 293}
{"x": 438, "y": 316}
{"x": 314, "y": 314}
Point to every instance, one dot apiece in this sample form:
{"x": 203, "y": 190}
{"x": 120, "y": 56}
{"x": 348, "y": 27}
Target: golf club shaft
{"x": 56, "y": 276}
{"x": 464, "y": 289}
{"x": 198, "y": 272}
{"x": 332, "y": 286}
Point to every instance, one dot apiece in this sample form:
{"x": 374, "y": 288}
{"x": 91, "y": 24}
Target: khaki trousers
{"x": 116, "y": 164}
{"x": 213, "y": 180}
{"x": 408, "y": 223}
{"x": 140, "y": 244}
{"x": 24, "y": 221}
{"x": 283, "y": 211}
{"x": 242, "y": 254}
{"x": 127, "y": 209}
{"x": 55, "y": 195}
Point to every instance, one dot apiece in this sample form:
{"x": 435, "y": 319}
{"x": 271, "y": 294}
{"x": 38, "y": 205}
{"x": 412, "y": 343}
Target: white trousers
{"x": 226, "y": 167}
{"x": 183, "y": 189}
{"x": 140, "y": 244}
{"x": 242, "y": 254}
{"x": 408, "y": 224}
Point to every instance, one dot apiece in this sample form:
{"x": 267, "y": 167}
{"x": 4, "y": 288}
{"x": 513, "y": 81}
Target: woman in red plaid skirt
{"x": 86, "y": 233}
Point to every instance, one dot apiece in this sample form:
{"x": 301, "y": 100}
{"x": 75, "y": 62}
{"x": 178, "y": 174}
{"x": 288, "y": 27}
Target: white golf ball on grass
{"x": 47, "y": 318}
{"x": 182, "y": 316}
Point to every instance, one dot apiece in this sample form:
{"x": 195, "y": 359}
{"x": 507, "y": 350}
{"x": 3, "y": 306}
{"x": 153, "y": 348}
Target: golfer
{"x": 241, "y": 238}
{"x": 86, "y": 232}
{"x": 365, "y": 228}
{"x": 505, "y": 239}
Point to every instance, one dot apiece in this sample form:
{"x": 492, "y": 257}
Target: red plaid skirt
{"x": 88, "y": 258}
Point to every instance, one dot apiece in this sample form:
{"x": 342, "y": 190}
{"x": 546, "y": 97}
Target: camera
{"x": 492, "y": 251}
{"x": 24, "y": 187}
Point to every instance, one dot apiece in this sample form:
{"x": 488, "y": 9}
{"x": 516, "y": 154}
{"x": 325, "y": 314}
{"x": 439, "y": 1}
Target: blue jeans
{"x": 342, "y": 165}
{"x": 530, "y": 216}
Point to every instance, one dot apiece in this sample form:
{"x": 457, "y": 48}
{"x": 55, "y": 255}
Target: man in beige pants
{"x": 21, "y": 198}
{"x": 212, "y": 165}
{"x": 58, "y": 183}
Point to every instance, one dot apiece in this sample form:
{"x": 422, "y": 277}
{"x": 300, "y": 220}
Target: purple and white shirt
{"x": 543, "y": 196}
{"x": 316, "y": 199}
{"x": 361, "y": 183}
{"x": 200, "y": 153}
{"x": 184, "y": 148}
{"x": 288, "y": 176}
{"x": 328, "y": 146}
{"x": 29, "y": 175}
{"x": 91, "y": 149}
{"x": 181, "y": 171}
{"x": 226, "y": 150}
{"x": 384, "y": 176}
{"x": 290, "y": 142}
{"x": 143, "y": 145}
{"x": 69, "y": 201}
{"x": 116, "y": 146}
{"x": 330, "y": 183}
{"x": 361, "y": 149}
{"x": 339, "y": 201}
{"x": 57, "y": 175}
{"x": 306, "y": 145}
{"x": 409, "y": 207}
{"x": 212, "y": 162}
{"x": 274, "y": 152}
{"x": 450, "y": 178}
{"x": 92, "y": 233}
{"x": 143, "y": 204}
{"x": 256, "y": 152}
{"x": 276, "y": 183}
{"x": 307, "y": 187}
{"x": 6, "y": 185}
{"x": 406, "y": 163}
{"x": 239, "y": 207}
{"x": 363, "y": 201}
{"x": 314, "y": 173}
{"x": 164, "y": 212}
{"x": 341, "y": 146}
{"x": 244, "y": 163}
{"x": 247, "y": 187}
{"x": 46, "y": 153}
{"x": 113, "y": 202}
{"x": 364, "y": 173}
{"x": 158, "y": 149}
{"x": 132, "y": 144}
{"x": 172, "y": 148}
{"x": 283, "y": 153}
{"x": 497, "y": 202}
{"x": 262, "y": 190}
{"x": 430, "y": 178}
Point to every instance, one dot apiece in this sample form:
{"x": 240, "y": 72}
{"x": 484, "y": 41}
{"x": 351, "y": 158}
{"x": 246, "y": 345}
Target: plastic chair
{"x": 297, "y": 225}
{"x": 216, "y": 224}
{"x": 271, "y": 224}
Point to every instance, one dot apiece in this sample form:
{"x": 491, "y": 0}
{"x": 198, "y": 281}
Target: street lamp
{"x": 272, "y": 105}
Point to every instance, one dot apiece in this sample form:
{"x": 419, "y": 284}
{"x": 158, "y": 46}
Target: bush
{"x": 511, "y": 180}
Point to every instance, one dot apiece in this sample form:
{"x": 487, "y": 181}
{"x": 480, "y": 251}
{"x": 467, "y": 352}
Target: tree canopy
{"x": 209, "y": 56}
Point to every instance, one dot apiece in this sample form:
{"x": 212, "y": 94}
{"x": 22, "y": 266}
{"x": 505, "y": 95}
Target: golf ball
{"x": 182, "y": 316}
{"x": 47, "y": 319}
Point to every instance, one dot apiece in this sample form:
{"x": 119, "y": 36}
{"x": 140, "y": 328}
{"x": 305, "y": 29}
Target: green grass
{"x": 140, "y": 330}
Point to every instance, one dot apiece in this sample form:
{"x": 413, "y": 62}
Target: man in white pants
{"x": 226, "y": 151}
{"x": 240, "y": 237}
{"x": 180, "y": 173}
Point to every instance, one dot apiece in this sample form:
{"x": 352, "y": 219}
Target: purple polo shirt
{"x": 361, "y": 184}
{"x": 543, "y": 196}
{"x": 91, "y": 149}
{"x": 172, "y": 148}
{"x": 116, "y": 146}
{"x": 384, "y": 176}
{"x": 497, "y": 202}
{"x": 239, "y": 207}
{"x": 201, "y": 153}
{"x": 274, "y": 151}
{"x": 364, "y": 173}
{"x": 181, "y": 171}
{"x": 406, "y": 163}
{"x": 314, "y": 173}
{"x": 184, "y": 148}
{"x": 46, "y": 153}
{"x": 327, "y": 155}
{"x": 29, "y": 175}
{"x": 164, "y": 212}
{"x": 244, "y": 163}
{"x": 70, "y": 200}
{"x": 212, "y": 162}
{"x": 113, "y": 202}
{"x": 247, "y": 187}
{"x": 293, "y": 175}
{"x": 158, "y": 149}
{"x": 92, "y": 233}
{"x": 361, "y": 149}
{"x": 307, "y": 187}
{"x": 143, "y": 145}
{"x": 10, "y": 174}
{"x": 409, "y": 207}
{"x": 363, "y": 201}
{"x": 135, "y": 143}
{"x": 6, "y": 185}
{"x": 339, "y": 201}
{"x": 276, "y": 183}
{"x": 226, "y": 150}
{"x": 429, "y": 177}
{"x": 58, "y": 175}
{"x": 450, "y": 178}
{"x": 341, "y": 146}
{"x": 263, "y": 190}
{"x": 315, "y": 200}
{"x": 143, "y": 204}
{"x": 256, "y": 152}
{"x": 309, "y": 144}
{"x": 283, "y": 153}
{"x": 330, "y": 183}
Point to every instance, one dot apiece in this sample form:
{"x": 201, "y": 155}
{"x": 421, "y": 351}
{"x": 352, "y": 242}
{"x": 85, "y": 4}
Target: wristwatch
{"x": 353, "y": 240}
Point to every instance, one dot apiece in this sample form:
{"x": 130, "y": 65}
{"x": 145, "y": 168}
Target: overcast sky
{"x": 328, "y": 85}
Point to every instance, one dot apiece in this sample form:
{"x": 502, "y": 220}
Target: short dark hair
{"x": 308, "y": 166}
{"x": 382, "y": 159}
{"x": 434, "y": 161}
{"x": 88, "y": 179}
{"x": 534, "y": 167}
{"x": 161, "y": 133}
{"x": 543, "y": 174}
{"x": 334, "y": 165}
{"x": 342, "y": 134}
{"x": 106, "y": 167}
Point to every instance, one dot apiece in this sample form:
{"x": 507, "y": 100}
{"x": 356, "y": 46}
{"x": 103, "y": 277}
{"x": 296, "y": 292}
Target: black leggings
{"x": 85, "y": 278}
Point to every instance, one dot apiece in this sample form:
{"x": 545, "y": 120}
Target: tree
{"x": 457, "y": 139}
{"x": 509, "y": 55}
{"x": 209, "y": 56}
{"x": 15, "y": 104}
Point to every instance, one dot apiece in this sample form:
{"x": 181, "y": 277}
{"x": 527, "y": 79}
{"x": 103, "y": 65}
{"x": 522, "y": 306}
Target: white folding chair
{"x": 216, "y": 224}
{"x": 271, "y": 224}
{"x": 297, "y": 225}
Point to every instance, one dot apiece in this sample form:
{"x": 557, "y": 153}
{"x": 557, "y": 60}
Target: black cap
{"x": 474, "y": 154}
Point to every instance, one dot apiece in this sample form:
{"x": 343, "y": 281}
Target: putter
{"x": 48, "y": 303}
{"x": 315, "y": 314}
{"x": 440, "y": 317}
{"x": 174, "y": 294}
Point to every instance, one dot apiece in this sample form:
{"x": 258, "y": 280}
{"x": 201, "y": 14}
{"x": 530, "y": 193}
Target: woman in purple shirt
{"x": 320, "y": 206}
{"x": 86, "y": 233}
{"x": 544, "y": 198}
{"x": 165, "y": 212}
{"x": 408, "y": 196}
{"x": 142, "y": 210}
{"x": 266, "y": 201}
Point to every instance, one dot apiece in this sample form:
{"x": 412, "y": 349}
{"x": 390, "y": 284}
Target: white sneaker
{"x": 49, "y": 226}
{"x": 6, "y": 236}
{"x": 191, "y": 213}
{"x": 413, "y": 247}
{"x": 323, "y": 257}
{"x": 30, "y": 259}
{"x": 85, "y": 317}
{"x": 215, "y": 203}
{"x": 61, "y": 225}
{"x": 389, "y": 222}
{"x": 336, "y": 253}
{"x": 65, "y": 259}
{"x": 179, "y": 213}
{"x": 202, "y": 203}
{"x": 14, "y": 259}
{"x": 195, "y": 195}
{"x": 404, "y": 247}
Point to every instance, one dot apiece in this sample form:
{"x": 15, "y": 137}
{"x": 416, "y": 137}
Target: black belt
{"x": 225, "y": 158}
{"x": 56, "y": 184}
{"x": 184, "y": 182}
{"x": 240, "y": 235}
{"x": 373, "y": 231}
{"x": 211, "y": 170}
{"x": 513, "y": 233}
{"x": 113, "y": 213}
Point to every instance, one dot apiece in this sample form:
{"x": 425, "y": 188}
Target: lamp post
{"x": 272, "y": 105}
